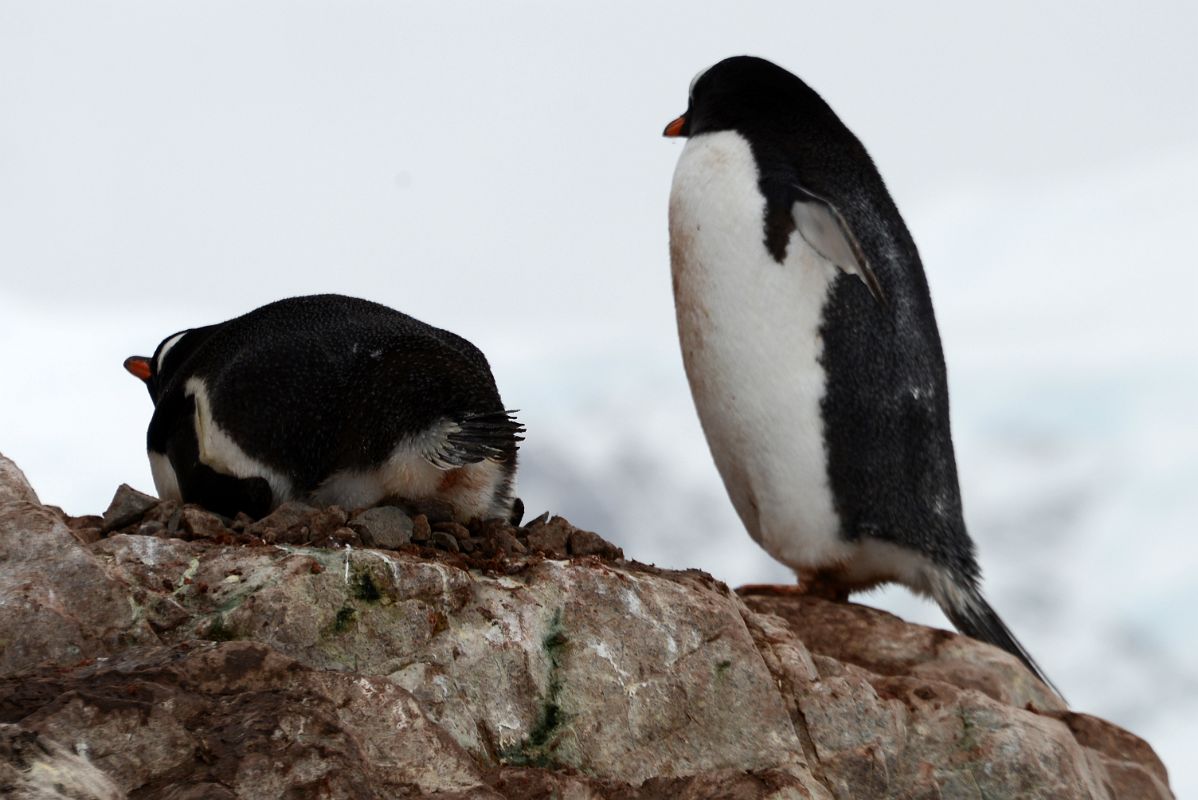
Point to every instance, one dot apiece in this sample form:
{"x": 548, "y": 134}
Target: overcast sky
{"x": 478, "y": 158}
{"x": 498, "y": 169}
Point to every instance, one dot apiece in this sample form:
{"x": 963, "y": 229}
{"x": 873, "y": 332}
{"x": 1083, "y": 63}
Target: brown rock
{"x": 284, "y": 523}
{"x": 241, "y": 716}
{"x": 327, "y": 520}
{"x": 455, "y": 529}
{"x": 551, "y": 537}
{"x": 83, "y": 523}
{"x": 35, "y": 767}
{"x": 167, "y": 512}
{"x": 939, "y": 721}
{"x": 509, "y": 543}
{"x": 1132, "y": 768}
{"x": 885, "y": 645}
{"x": 383, "y": 526}
{"x": 127, "y": 507}
{"x": 61, "y": 603}
{"x": 586, "y": 543}
{"x": 433, "y": 509}
{"x": 444, "y": 541}
{"x": 372, "y": 673}
{"x": 200, "y": 524}
{"x": 14, "y": 488}
{"x": 421, "y": 530}
{"x": 151, "y": 528}
{"x": 87, "y": 535}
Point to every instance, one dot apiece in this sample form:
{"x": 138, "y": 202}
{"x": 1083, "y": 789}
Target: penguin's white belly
{"x": 473, "y": 490}
{"x": 751, "y": 345}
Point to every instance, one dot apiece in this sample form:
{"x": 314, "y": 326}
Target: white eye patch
{"x": 166, "y": 348}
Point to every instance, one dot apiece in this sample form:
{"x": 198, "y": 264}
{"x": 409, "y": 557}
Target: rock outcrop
{"x": 159, "y": 651}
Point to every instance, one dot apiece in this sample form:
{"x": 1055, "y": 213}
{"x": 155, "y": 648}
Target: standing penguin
{"x": 811, "y": 348}
{"x": 330, "y": 399}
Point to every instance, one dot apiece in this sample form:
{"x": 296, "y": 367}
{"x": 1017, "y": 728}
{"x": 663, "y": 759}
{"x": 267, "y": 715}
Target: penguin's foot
{"x": 825, "y": 585}
{"x": 771, "y": 589}
{"x": 814, "y": 584}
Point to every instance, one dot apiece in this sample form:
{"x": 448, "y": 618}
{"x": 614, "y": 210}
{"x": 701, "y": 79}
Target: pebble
{"x": 128, "y": 506}
{"x": 551, "y": 537}
{"x": 481, "y": 542}
{"x": 291, "y": 514}
{"x": 383, "y": 526}
{"x": 455, "y": 529}
{"x": 421, "y": 531}
{"x": 444, "y": 541}
{"x": 201, "y": 524}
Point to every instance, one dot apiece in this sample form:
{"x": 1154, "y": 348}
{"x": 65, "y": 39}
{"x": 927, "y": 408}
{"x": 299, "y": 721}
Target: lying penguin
{"x": 329, "y": 399}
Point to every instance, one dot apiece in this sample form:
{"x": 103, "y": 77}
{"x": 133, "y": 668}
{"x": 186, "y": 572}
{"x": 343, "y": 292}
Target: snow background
{"x": 497, "y": 169}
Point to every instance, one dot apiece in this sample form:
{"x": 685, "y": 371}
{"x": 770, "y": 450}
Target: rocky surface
{"x": 161, "y": 651}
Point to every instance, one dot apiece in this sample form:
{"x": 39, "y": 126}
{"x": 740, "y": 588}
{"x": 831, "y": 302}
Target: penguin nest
{"x": 424, "y": 529}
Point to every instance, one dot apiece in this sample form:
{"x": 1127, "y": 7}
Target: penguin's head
{"x": 154, "y": 370}
{"x": 746, "y": 94}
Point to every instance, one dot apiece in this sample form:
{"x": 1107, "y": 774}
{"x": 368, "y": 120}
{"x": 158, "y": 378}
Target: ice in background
{"x": 497, "y": 169}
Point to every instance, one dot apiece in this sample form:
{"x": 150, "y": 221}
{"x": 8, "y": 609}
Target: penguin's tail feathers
{"x": 964, "y": 605}
{"x": 471, "y": 438}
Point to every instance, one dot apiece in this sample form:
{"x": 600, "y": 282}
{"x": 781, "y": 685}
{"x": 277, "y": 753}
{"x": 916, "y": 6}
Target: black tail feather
{"x": 475, "y": 437}
{"x": 969, "y": 612}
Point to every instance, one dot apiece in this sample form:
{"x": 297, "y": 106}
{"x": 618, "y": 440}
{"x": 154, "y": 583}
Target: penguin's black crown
{"x": 761, "y": 100}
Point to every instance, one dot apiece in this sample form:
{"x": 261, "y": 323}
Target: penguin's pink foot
{"x": 823, "y": 584}
{"x": 771, "y": 589}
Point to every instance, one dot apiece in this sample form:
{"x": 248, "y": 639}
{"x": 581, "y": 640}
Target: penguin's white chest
{"x": 750, "y": 334}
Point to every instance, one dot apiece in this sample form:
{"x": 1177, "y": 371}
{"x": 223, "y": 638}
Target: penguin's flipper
{"x": 472, "y": 438}
{"x": 824, "y": 228}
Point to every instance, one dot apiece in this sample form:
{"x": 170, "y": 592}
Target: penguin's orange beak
{"x": 675, "y": 127}
{"x": 138, "y": 366}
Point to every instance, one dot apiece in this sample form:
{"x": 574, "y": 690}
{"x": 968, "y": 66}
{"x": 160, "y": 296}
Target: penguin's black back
{"x": 313, "y": 385}
{"x": 891, "y": 466}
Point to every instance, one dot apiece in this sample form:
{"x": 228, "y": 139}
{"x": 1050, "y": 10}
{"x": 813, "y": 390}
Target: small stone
{"x": 444, "y": 541}
{"x": 326, "y": 521}
{"x": 292, "y": 514}
{"x": 241, "y": 521}
{"x": 152, "y": 528}
{"x": 90, "y": 521}
{"x": 466, "y": 545}
{"x": 551, "y": 538}
{"x": 421, "y": 530}
{"x": 201, "y": 524}
{"x": 538, "y": 522}
{"x": 128, "y": 506}
{"x": 509, "y": 543}
{"x": 455, "y": 529}
{"x": 162, "y": 512}
{"x": 433, "y": 508}
{"x": 586, "y": 543}
{"x": 383, "y": 526}
{"x": 346, "y": 536}
{"x": 87, "y": 535}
